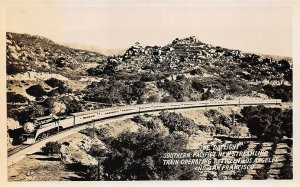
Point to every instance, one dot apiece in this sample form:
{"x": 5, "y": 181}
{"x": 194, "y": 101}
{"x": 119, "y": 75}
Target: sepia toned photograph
{"x": 133, "y": 92}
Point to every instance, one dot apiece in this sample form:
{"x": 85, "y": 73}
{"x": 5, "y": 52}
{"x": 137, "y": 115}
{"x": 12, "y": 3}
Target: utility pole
{"x": 94, "y": 130}
{"x": 98, "y": 168}
{"x": 234, "y": 126}
{"x": 58, "y": 125}
{"x": 99, "y": 160}
{"x": 233, "y": 118}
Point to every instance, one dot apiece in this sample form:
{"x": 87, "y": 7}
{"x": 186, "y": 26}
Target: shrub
{"x": 153, "y": 98}
{"x": 73, "y": 106}
{"x": 168, "y": 99}
{"x": 269, "y": 124}
{"x": 283, "y": 92}
{"x": 138, "y": 119}
{"x": 27, "y": 113}
{"x": 220, "y": 129}
{"x": 36, "y": 91}
{"x": 148, "y": 77}
{"x": 196, "y": 72}
{"x": 176, "y": 122}
{"x": 180, "y": 77}
{"x": 176, "y": 89}
{"x": 53, "y": 82}
{"x": 16, "y": 98}
{"x": 12, "y": 69}
{"x": 261, "y": 174}
{"x": 56, "y": 83}
{"x": 97, "y": 150}
{"x": 138, "y": 88}
{"x": 197, "y": 85}
{"x": 137, "y": 156}
{"x": 207, "y": 95}
{"x": 51, "y": 148}
{"x": 101, "y": 133}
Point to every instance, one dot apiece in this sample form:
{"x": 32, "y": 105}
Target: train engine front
{"x": 39, "y": 128}
{"x": 29, "y": 134}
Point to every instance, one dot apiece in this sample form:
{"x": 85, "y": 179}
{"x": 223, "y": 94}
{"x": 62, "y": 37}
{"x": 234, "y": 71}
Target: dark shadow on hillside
{"x": 79, "y": 170}
{"x": 15, "y": 134}
{"x": 49, "y": 159}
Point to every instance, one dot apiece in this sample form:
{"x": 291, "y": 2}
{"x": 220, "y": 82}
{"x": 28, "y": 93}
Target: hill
{"x": 27, "y": 53}
{"x": 46, "y": 78}
{"x": 188, "y": 69}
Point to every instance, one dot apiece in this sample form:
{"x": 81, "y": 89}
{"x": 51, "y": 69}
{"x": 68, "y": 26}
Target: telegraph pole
{"x": 98, "y": 169}
{"x": 94, "y": 130}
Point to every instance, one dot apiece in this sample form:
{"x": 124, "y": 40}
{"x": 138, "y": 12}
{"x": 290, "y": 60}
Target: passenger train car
{"x": 40, "y": 128}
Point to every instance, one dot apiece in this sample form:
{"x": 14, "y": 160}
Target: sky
{"x": 262, "y": 29}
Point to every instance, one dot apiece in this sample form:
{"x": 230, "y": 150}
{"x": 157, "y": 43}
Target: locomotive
{"x": 40, "y": 128}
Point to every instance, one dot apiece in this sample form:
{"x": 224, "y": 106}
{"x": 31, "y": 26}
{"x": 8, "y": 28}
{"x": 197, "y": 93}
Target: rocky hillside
{"x": 41, "y": 74}
{"x": 46, "y": 78}
{"x": 196, "y": 58}
{"x": 26, "y": 53}
{"x": 188, "y": 69}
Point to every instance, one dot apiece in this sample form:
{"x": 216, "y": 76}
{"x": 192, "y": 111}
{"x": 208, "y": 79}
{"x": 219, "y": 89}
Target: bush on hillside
{"x": 13, "y": 97}
{"x": 51, "y": 148}
{"x": 36, "y": 91}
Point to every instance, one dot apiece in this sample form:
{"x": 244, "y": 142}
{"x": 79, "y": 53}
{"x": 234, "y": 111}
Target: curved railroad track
{"x": 16, "y": 154}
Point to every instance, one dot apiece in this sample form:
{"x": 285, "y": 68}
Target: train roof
{"x": 86, "y": 112}
{"x": 111, "y": 109}
{"x": 97, "y": 110}
{"x": 42, "y": 118}
{"x": 123, "y": 107}
{"x": 147, "y": 105}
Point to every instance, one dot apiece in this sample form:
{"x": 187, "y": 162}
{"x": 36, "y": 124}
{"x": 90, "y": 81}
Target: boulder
{"x": 77, "y": 148}
{"x": 12, "y": 124}
{"x": 59, "y": 108}
{"x": 71, "y": 155}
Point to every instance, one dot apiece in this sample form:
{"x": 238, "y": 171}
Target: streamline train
{"x": 40, "y": 128}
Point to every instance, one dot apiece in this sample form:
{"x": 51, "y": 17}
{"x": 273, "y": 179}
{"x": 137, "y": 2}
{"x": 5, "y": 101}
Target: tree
{"x": 28, "y": 113}
{"x": 16, "y": 98}
{"x": 197, "y": 85}
{"x": 220, "y": 129}
{"x": 56, "y": 83}
{"x": 176, "y": 89}
{"x": 283, "y": 65}
{"x": 137, "y": 156}
{"x": 176, "y": 122}
{"x": 168, "y": 99}
{"x": 153, "y": 98}
{"x": 73, "y": 106}
{"x": 196, "y": 72}
{"x": 283, "y": 92}
{"x": 97, "y": 150}
{"x": 148, "y": 77}
{"x": 12, "y": 69}
{"x": 36, "y": 91}
{"x": 138, "y": 89}
{"x": 51, "y": 148}
{"x": 269, "y": 124}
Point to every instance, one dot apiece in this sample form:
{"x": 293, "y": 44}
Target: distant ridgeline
{"x": 26, "y": 53}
